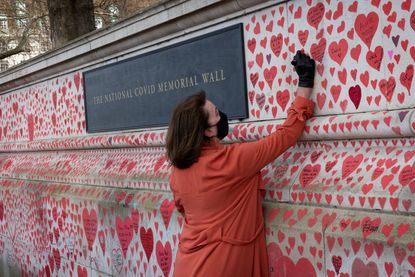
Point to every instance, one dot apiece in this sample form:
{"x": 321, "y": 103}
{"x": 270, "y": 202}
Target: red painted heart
{"x": 101, "y": 240}
{"x": 338, "y": 51}
{"x": 77, "y": 80}
{"x": 308, "y": 174}
{"x": 269, "y": 75}
{"x": 90, "y": 226}
{"x": 407, "y": 77}
{"x": 82, "y": 271}
{"x": 286, "y": 267}
{"x": 317, "y": 50}
{"x": 355, "y": 95}
{"x": 282, "y": 98}
{"x": 337, "y": 263}
{"x": 274, "y": 254}
{"x": 360, "y": 269}
{"x": 303, "y": 36}
{"x": 164, "y": 257}
{"x": 276, "y": 44}
{"x": 370, "y": 226}
{"x": 1, "y": 211}
{"x": 166, "y": 210}
{"x": 252, "y": 45}
{"x": 315, "y": 15}
{"x": 147, "y": 240}
{"x": 387, "y": 87}
{"x": 366, "y": 26}
{"x": 374, "y": 59}
{"x": 350, "y": 164}
{"x": 125, "y": 233}
{"x": 406, "y": 175}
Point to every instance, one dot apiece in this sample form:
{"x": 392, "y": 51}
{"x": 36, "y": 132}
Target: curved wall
{"x": 339, "y": 203}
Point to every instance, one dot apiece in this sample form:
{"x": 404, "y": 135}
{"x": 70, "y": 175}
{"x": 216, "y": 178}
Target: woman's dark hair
{"x": 186, "y": 131}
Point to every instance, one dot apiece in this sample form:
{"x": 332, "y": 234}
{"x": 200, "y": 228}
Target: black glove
{"x": 305, "y": 68}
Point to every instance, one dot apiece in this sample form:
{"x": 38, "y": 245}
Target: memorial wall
{"x": 88, "y": 195}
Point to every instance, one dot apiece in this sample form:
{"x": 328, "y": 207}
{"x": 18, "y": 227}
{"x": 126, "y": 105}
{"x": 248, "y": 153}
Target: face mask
{"x": 223, "y": 126}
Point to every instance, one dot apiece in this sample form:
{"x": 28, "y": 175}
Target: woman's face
{"x": 213, "y": 119}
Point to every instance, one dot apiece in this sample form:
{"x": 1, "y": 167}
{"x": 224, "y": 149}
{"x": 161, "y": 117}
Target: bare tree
{"x": 52, "y": 23}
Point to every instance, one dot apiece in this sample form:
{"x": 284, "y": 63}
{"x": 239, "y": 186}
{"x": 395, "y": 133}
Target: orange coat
{"x": 219, "y": 197}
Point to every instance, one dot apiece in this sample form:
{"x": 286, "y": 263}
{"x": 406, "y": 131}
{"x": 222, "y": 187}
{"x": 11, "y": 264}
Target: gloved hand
{"x": 305, "y": 68}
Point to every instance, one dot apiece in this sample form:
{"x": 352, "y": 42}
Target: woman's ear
{"x": 210, "y": 132}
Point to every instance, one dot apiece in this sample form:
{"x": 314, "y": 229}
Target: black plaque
{"x": 142, "y": 91}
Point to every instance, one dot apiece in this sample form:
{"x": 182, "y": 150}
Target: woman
{"x": 216, "y": 187}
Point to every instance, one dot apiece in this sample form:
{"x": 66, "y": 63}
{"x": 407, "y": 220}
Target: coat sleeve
{"x": 249, "y": 158}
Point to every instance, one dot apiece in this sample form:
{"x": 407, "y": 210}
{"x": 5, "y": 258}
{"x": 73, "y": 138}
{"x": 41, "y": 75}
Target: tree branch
{"x": 11, "y": 52}
{"x": 22, "y": 43}
{"x": 19, "y": 48}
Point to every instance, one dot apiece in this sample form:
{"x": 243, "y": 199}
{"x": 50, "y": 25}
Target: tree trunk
{"x": 70, "y": 19}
